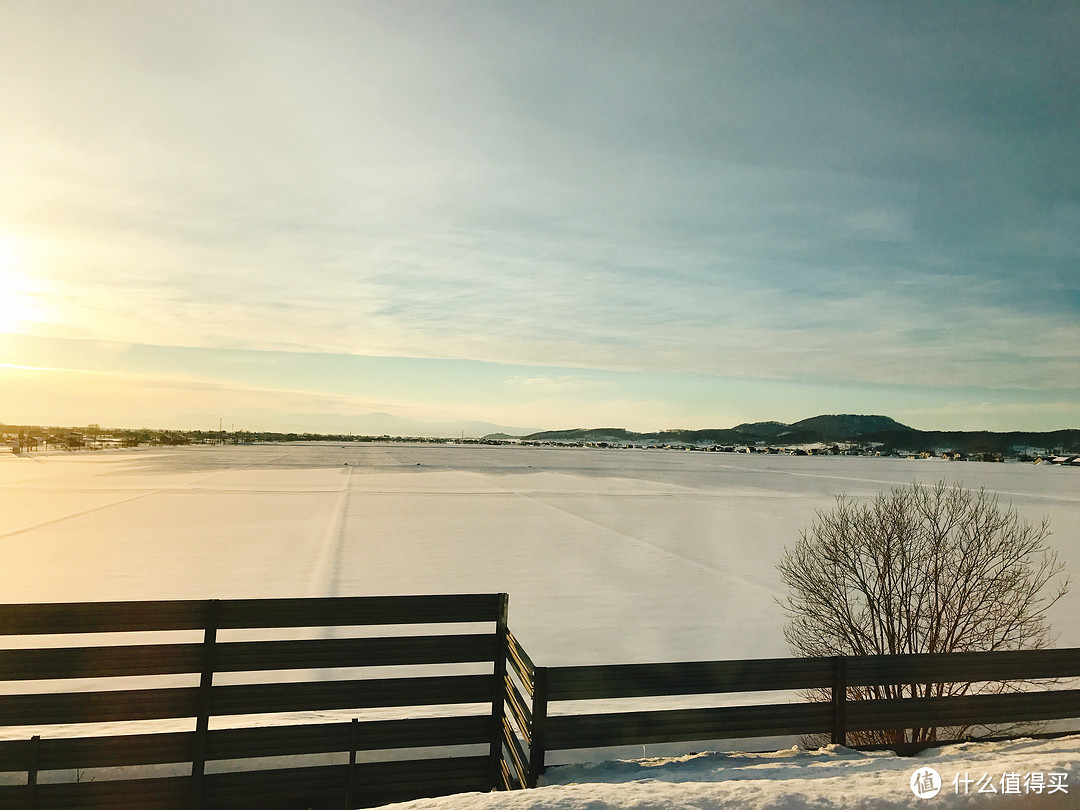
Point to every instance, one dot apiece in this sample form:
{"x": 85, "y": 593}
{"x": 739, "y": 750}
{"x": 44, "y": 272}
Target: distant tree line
{"x": 35, "y": 436}
{"x": 832, "y": 436}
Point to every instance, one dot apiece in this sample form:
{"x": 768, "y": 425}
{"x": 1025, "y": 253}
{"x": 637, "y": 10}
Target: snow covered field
{"x": 608, "y": 556}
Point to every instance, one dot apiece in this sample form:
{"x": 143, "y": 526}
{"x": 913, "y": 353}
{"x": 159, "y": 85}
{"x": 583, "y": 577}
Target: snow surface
{"x": 608, "y": 556}
{"x": 794, "y": 779}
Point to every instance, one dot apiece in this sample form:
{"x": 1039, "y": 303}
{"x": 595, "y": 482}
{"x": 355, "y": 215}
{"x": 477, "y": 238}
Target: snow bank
{"x": 1022, "y": 773}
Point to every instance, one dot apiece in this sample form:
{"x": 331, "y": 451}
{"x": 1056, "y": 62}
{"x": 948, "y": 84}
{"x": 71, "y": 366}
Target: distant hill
{"x": 593, "y": 434}
{"x": 881, "y": 431}
{"x": 830, "y": 428}
{"x": 847, "y": 425}
{"x": 762, "y": 429}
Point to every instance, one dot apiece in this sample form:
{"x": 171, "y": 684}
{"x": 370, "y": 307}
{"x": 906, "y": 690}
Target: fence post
{"x": 839, "y": 700}
{"x": 498, "y": 697}
{"x": 202, "y": 721}
{"x": 32, "y": 772}
{"x": 350, "y": 783}
{"x": 538, "y": 743}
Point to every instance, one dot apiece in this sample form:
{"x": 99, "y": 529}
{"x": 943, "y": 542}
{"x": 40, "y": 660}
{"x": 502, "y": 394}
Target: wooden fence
{"x": 320, "y": 785}
{"x": 483, "y": 730}
{"x": 532, "y": 729}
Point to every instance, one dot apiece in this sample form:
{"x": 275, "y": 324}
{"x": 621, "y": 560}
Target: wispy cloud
{"x": 562, "y": 384}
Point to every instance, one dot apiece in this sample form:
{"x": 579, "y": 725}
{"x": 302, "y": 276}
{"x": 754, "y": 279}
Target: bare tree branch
{"x": 920, "y": 570}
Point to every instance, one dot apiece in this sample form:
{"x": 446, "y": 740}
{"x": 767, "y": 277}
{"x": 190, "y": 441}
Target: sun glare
{"x": 18, "y": 291}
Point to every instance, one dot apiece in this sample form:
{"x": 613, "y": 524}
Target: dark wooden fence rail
{"x": 363, "y": 784}
{"x": 835, "y": 718}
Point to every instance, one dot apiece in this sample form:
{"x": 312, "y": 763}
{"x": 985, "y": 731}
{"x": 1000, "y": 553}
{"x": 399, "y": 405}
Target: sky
{"x": 287, "y": 216}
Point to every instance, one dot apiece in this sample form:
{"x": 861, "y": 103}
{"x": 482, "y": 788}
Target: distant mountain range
{"x": 828, "y": 429}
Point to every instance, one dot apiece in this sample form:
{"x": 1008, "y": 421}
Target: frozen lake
{"x": 608, "y": 555}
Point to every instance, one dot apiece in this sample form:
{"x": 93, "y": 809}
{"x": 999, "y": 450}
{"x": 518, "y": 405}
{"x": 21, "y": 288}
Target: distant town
{"x": 845, "y": 435}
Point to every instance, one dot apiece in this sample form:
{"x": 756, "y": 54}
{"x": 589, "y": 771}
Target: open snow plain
{"x": 608, "y": 555}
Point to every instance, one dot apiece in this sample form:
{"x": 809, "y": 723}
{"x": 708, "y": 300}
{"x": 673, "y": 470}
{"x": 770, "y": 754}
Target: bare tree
{"x": 919, "y": 570}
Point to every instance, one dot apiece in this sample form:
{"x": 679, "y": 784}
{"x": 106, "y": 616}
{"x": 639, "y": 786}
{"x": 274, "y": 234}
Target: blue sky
{"x": 290, "y": 215}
